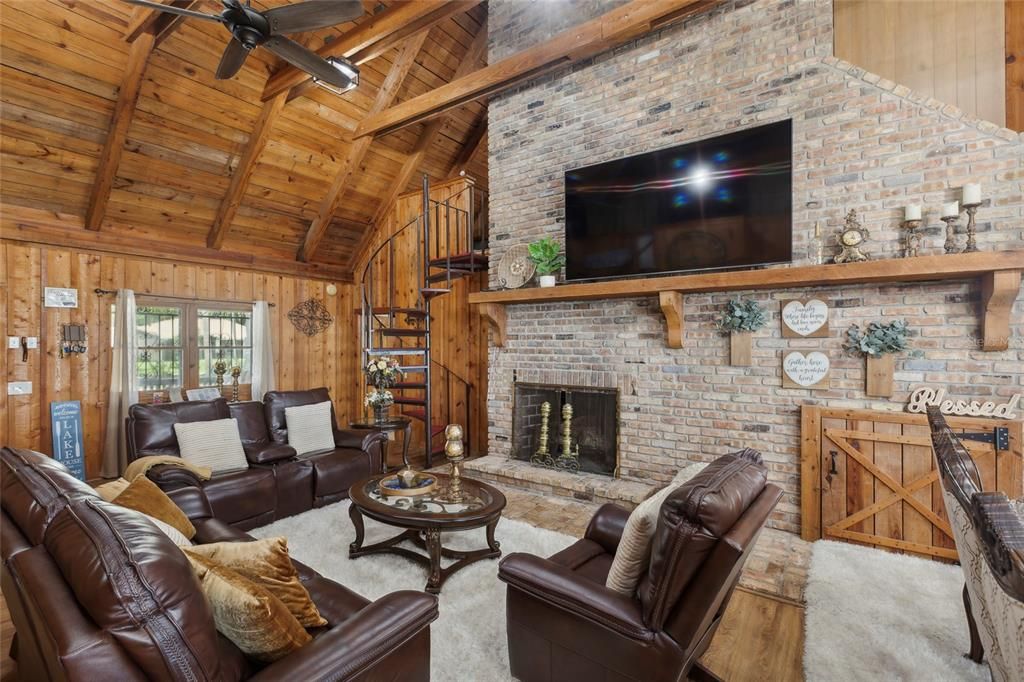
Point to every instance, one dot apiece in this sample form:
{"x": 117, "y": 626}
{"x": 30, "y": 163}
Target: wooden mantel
{"x": 999, "y": 273}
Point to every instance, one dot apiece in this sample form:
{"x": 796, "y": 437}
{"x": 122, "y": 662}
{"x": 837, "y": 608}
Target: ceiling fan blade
{"x": 311, "y": 15}
{"x": 232, "y": 59}
{"x": 171, "y": 9}
{"x": 310, "y": 62}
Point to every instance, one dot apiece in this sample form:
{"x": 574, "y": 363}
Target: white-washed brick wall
{"x": 859, "y": 142}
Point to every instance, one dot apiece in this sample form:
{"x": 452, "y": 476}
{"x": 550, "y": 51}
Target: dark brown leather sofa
{"x": 564, "y": 624}
{"x": 97, "y": 592}
{"x": 277, "y": 483}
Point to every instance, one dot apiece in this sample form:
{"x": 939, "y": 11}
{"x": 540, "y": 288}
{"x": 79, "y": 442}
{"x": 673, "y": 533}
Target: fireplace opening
{"x": 593, "y": 427}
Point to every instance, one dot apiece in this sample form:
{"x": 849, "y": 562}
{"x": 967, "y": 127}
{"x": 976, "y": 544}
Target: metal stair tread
{"x": 396, "y": 351}
{"x": 410, "y": 312}
{"x": 405, "y": 400}
{"x": 402, "y": 331}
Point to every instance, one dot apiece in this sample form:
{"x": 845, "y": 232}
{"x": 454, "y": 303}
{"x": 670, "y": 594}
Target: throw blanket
{"x": 144, "y": 464}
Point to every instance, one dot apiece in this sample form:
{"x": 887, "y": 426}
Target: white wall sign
{"x": 804, "y": 317}
{"x": 924, "y": 397}
{"x": 805, "y": 371}
{"x": 56, "y": 297}
{"x": 202, "y": 393}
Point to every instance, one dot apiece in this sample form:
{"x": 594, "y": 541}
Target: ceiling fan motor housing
{"x": 248, "y": 27}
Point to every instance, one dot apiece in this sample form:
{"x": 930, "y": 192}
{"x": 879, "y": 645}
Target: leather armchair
{"x": 564, "y": 624}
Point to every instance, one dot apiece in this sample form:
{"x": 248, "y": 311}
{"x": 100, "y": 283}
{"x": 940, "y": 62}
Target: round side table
{"x": 390, "y": 425}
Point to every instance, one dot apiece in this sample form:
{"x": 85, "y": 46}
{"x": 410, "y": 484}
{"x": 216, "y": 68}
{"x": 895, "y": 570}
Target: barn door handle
{"x": 833, "y": 471}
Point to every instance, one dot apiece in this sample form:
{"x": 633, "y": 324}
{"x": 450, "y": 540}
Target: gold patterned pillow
{"x": 266, "y": 562}
{"x": 145, "y": 496}
{"x": 634, "y": 551}
{"x": 246, "y": 613}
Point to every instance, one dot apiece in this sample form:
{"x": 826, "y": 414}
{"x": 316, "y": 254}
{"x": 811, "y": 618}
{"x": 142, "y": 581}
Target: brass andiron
{"x": 220, "y": 368}
{"x": 568, "y": 460}
{"x": 455, "y": 452}
{"x": 972, "y": 241}
{"x": 542, "y": 457}
{"x": 235, "y": 373}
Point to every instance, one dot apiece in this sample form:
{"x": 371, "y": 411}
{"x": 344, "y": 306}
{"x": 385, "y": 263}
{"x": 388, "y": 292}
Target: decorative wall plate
{"x": 515, "y": 267}
{"x": 310, "y": 317}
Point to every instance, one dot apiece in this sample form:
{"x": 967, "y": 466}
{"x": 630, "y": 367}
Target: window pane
{"x": 158, "y": 335}
{"x": 224, "y": 335}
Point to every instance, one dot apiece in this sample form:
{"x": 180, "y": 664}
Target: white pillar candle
{"x": 912, "y": 212}
{"x": 972, "y": 193}
{"x": 951, "y": 209}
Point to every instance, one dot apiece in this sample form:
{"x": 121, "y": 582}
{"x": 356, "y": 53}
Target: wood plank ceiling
{"x": 63, "y": 64}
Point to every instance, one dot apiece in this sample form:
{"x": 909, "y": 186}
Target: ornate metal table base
{"x": 428, "y": 540}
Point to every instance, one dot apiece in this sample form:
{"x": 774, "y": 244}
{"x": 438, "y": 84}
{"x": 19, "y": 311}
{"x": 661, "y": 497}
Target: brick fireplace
{"x": 858, "y": 142}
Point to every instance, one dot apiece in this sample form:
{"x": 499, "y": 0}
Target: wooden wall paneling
{"x": 918, "y": 460}
{"x": 990, "y": 61}
{"x": 7, "y": 356}
{"x": 1014, "y": 38}
{"x": 24, "y": 276}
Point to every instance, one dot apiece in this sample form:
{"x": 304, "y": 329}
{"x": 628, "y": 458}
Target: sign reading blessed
{"x": 804, "y": 318}
{"x": 925, "y": 397}
{"x": 805, "y": 371}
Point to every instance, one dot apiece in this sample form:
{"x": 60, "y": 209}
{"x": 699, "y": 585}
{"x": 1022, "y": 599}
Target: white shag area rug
{"x": 468, "y": 640}
{"x": 876, "y": 615}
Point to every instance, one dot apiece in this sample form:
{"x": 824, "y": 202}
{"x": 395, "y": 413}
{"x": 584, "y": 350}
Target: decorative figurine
{"x": 235, "y": 373}
{"x": 455, "y": 452}
{"x": 851, "y": 238}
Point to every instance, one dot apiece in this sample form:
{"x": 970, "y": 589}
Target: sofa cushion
{"x": 336, "y": 471}
{"x": 310, "y": 427}
{"x": 135, "y": 584}
{"x": 215, "y": 444}
{"x": 266, "y": 562}
{"x": 250, "y": 616}
{"x": 151, "y": 427}
{"x": 144, "y": 496}
{"x": 275, "y": 403}
{"x": 242, "y": 495}
{"x": 34, "y": 488}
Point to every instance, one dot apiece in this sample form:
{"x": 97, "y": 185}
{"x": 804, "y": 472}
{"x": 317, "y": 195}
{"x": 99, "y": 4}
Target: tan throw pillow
{"x": 310, "y": 428}
{"x": 634, "y": 551}
{"x": 111, "y": 489}
{"x": 215, "y": 444}
{"x": 247, "y": 614}
{"x": 145, "y": 496}
{"x": 266, "y": 562}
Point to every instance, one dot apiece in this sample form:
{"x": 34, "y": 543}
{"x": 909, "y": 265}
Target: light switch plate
{"x": 19, "y": 388}
{"x": 14, "y": 342}
{"x": 32, "y": 342}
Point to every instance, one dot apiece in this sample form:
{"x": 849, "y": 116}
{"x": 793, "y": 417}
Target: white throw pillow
{"x": 176, "y": 536}
{"x": 634, "y": 551}
{"x": 310, "y": 427}
{"x": 215, "y": 444}
{"x": 687, "y": 472}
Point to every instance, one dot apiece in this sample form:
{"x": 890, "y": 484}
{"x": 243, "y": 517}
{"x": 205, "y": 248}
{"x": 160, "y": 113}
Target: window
{"x": 181, "y": 342}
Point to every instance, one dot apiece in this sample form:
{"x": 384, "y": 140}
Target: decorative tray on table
{"x": 421, "y": 485}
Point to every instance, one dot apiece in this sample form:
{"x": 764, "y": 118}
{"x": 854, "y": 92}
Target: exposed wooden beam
{"x": 609, "y": 30}
{"x": 110, "y": 157}
{"x": 1014, "y": 21}
{"x": 243, "y": 173}
{"x": 145, "y": 20}
{"x": 357, "y": 150}
{"x": 471, "y": 146}
{"x": 23, "y": 224}
{"x": 373, "y": 37}
{"x": 412, "y": 162}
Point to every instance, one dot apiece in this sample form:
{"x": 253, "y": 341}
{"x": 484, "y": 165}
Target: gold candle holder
{"x": 220, "y": 368}
{"x": 951, "y": 245}
{"x": 235, "y": 373}
{"x": 972, "y": 242}
{"x": 913, "y": 240}
{"x": 455, "y": 452}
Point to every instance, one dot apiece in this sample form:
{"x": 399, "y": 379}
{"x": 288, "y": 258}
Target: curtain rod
{"x": 104, "y": 292}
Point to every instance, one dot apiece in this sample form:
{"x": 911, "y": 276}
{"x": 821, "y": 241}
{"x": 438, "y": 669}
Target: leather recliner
{"x": 564, "y": 624}
{"x": 278, "y": 483}
{"x": 97, "y": 592}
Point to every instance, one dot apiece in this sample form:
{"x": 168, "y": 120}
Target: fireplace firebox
{"x": 594, "y": 424}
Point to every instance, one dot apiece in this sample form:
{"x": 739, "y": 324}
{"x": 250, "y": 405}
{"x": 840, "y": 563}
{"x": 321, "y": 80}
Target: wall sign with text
{"x": 68, "y": 444}
{"x": 804, "y": 318}
{"x": 923, "y": 397}
{"x": 805, "y": 371}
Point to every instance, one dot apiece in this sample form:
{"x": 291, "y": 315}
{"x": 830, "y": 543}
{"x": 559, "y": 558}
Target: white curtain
{"x": 124, "y": 389}
{"x": 262, "y": 351}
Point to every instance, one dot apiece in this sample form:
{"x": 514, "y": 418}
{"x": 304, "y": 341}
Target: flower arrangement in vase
{"x": 380, "y": 400}
{"x": 740, "y": 319}
{"x": 382, "y": 373}
{"x": 878, "y": 343}
{"x": 546, "y": 254}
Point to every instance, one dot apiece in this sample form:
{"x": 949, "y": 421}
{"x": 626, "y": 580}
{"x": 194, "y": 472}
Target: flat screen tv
{"x": 723, "y": 202}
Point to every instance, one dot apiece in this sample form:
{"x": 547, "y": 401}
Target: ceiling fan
{"x": 251, "y": 29}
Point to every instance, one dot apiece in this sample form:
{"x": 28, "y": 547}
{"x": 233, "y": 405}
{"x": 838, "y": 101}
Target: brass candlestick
{"x": 235, "y": 373}
{"x": 972, "y": 242}
{"x": 542, "y": 456}
{"x": 455, "y": 452}
{"x": 220, "y": 368}
{"x": 951, "y": 245}
{"x": 913, "y": 240}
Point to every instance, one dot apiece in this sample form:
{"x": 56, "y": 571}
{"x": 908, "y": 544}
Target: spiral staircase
{"x": 450, "y": 241}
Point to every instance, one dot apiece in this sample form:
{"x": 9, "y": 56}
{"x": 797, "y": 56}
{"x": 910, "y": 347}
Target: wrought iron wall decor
{"x": 310, "y": 317}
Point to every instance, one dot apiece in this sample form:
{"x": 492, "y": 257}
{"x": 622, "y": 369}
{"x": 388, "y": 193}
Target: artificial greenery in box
{"x": 742, "y": 316}
{"x": 880, "y": 338}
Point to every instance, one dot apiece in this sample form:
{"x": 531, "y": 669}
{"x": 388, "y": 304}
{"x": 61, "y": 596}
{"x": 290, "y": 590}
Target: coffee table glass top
{"x": 474, "y": 498}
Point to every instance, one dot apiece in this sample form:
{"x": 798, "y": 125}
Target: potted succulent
{"x": 546, "y": 255}
{"x": 380, "y": 400}
{"x": 740, "y": 319}
{"x": 878, "y": 343}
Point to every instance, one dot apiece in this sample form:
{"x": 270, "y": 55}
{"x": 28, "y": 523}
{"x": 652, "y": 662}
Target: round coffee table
{"x": 424, "y": 518}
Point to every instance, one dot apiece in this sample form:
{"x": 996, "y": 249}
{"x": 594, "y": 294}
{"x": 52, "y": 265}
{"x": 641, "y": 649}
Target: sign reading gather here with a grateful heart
{"x": 802, "y": 318}
{"x": 805, "y": 371}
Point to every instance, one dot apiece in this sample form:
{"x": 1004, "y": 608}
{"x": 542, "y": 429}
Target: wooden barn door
{"x": 869, "y": 477}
